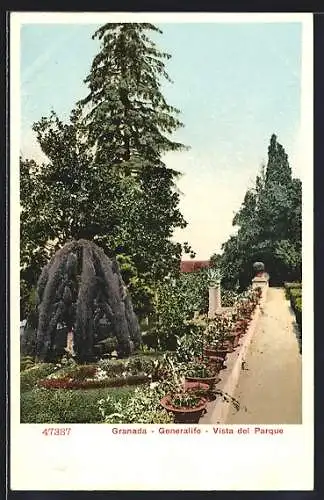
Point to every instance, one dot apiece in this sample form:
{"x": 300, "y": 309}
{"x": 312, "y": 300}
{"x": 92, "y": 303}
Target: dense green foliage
{"x": 67, "y": 406}
{"x": 289, "y": 287}
{"x": 175, "y": 303}
{"x": 269, "y": 226}
{"x": 294, "y": 294}
{"x": 104, "y": 179}
{"x": 143, "y": 407}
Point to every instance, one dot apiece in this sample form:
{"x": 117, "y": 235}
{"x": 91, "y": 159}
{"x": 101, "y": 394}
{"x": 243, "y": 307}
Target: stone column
{"x": 215, "y": 302}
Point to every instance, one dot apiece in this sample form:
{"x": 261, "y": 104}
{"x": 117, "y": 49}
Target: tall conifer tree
{"x": 129, "y": 125}
{"x": 128, "y": 117}
{"x": 269, "y": 224}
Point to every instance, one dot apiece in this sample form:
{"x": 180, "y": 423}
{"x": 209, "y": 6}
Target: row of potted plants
{"x": 195, "y": 379}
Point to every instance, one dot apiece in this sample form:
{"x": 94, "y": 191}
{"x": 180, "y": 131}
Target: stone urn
{"x": 258, "y": 268}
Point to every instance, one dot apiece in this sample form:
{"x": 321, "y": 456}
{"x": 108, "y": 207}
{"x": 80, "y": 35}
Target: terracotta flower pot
{"x": 184, "y": 415}
{"x": 228, "y": 345}
{"x": 232, "y": 340}
{"x": 195, "y": 386}
{"x": 242, "y": 325}
{"x": 215, "y": 361}
{"x": 239, "y": 331}
{"x": 236, "y": 337}
{"x": 220, "y": 352}
{"x": 198, "y": 386}
{"x": 211, "y": 381}
{"x": 210, "y": 351}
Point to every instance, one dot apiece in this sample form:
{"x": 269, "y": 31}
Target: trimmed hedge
{"x": 293, "y": 293}
{"x": 298, "y": 311}
{"x": 291, "y": 286}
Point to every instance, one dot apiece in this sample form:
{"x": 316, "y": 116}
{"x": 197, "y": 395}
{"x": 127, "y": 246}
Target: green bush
{"x": 298, "y": 311}
{"x": 67, "y": 406}
{"x": 29, "y": 377}
{"x": 175, "y": 303}
{"x": 26, "y": 362}
{"x": 134, "y": 365}
{"x": 289, "y": 287}
{"x": 295, "y": 293}
{"x": 298, "y": 304}
{"x": 229, "y": 298}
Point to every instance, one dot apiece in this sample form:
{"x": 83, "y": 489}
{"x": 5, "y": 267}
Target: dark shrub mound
{"x": 81, "y": 291}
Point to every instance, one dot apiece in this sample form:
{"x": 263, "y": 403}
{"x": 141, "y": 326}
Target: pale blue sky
{"x": 235, "y": 85}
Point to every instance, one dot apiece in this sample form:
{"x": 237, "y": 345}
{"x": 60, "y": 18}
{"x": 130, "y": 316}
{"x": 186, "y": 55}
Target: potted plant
{"x": 186, "y": 406}
{"x": 200, "y": 371}
{"x": 234, "y": 337}
{"x": 245, "y": 310}
{"x": 226, "y": 336}
{"x": 241, "y": 325}
{"x": 215, "y": 348}
{"x": 200, "y": 389}
{"x": 216, "y": 362}
{"x": 234, "y": 331}
{"x": 220, "y": 347}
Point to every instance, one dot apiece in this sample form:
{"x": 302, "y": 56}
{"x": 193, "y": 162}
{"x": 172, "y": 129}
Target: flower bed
{"x": 70, "y": 383}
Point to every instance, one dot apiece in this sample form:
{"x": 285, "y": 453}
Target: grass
{"x": 56, "y": 406}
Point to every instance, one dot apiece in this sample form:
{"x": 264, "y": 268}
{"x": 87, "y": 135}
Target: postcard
{"x": 161, "y": 246}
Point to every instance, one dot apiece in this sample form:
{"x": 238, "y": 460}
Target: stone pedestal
{"x": 261, "y": 281}
{"x": 215, "y": 302}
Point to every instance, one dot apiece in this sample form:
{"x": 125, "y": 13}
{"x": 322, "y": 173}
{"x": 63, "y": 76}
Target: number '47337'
{"x": 57, "y": 431}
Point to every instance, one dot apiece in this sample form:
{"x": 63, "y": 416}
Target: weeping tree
{"x": 81, "y": 288}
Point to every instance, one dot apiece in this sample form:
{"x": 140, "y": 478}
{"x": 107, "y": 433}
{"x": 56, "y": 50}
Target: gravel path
{"x": 270, "y": 386}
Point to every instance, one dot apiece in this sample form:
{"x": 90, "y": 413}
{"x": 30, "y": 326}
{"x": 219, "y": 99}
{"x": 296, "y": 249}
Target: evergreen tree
{"x": 128, "y": 118}
{"x": 129, "y": 126}
{"x": 269, "y": 225}
{"x": 278, "y": 169}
